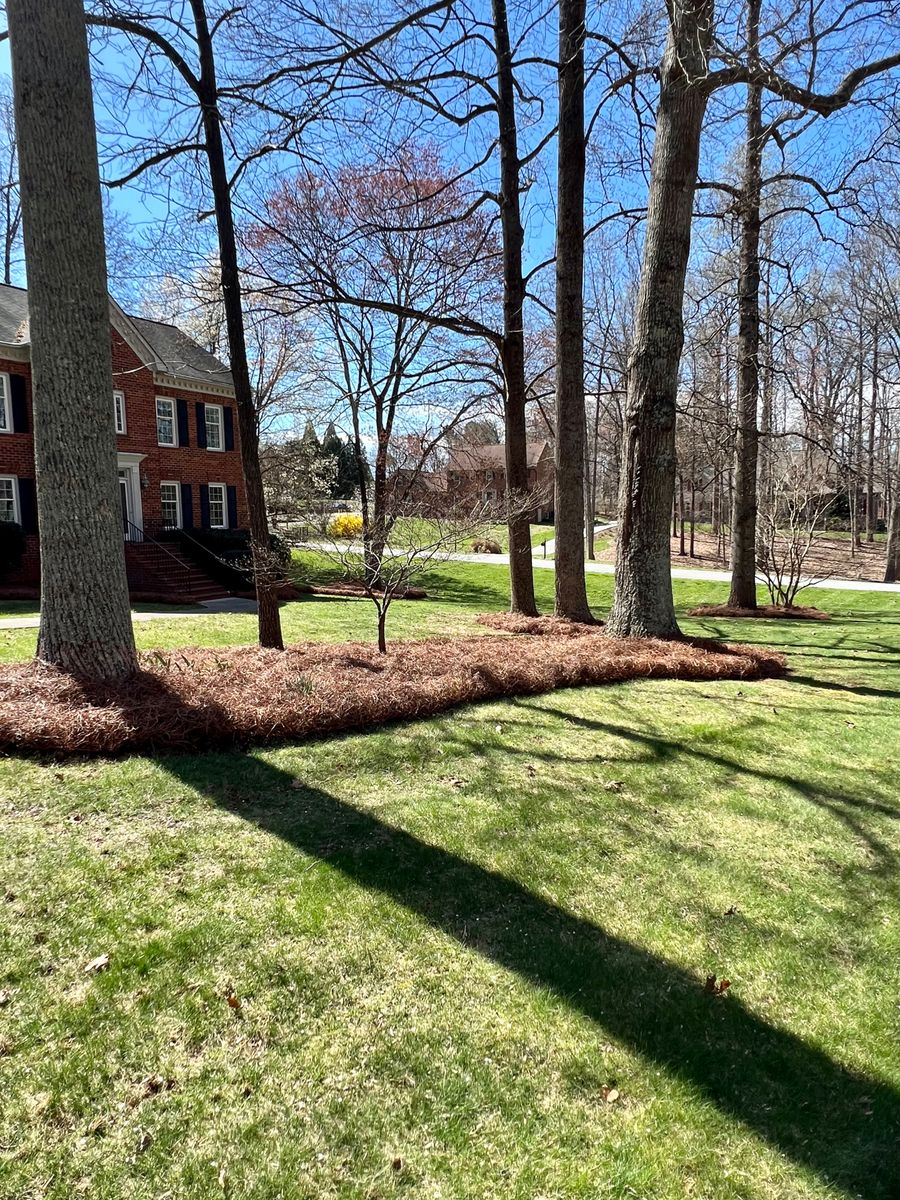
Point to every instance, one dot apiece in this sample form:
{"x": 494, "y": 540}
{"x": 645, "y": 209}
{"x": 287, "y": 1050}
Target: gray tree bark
{"x": 643, "y": 605}
{"x": 746, "y": 453}
{"x": 892, "y": 563}
{"x": 512, "y": 347}
{"x": 85, "y": 612}
{"x": 571, "y": 592}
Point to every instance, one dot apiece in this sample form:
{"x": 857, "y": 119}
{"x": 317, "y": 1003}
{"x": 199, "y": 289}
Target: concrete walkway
{"x": 595, "y": 568}
{"x": 548, "y": 548}
{"x": 229, "y": 604}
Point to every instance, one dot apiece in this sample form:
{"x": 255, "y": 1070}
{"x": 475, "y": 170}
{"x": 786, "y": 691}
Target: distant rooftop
{"x": 491, "y": 457}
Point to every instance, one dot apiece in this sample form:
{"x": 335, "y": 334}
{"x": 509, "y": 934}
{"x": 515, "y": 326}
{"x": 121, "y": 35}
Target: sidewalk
{"x": 231, "y": 604}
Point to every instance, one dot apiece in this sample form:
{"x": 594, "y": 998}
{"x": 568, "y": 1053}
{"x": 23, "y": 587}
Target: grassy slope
{"x": 450, "y": 936}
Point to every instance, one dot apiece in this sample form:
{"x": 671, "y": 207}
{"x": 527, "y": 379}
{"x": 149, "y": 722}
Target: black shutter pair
{"x": 231, "y": 495}
{"x": 18, "y": 403}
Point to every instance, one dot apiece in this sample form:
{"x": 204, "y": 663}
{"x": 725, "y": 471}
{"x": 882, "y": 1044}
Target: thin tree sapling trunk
{"x": 85, "y": 613}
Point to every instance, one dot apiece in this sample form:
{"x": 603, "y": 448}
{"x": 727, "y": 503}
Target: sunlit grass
{"x": 450, "y": 939}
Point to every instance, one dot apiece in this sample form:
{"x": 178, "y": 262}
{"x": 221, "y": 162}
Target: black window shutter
{"x": 184, "y": 437}
{"x": 228, "y": 417}
{"x": 28, "y": 505}
{"x": 18, "y": 403}
{"x": 201, "y": 425}
{"x": 232, "y": 506}
{"x": 204, "y": 506}
{"x": 187, "y": 506}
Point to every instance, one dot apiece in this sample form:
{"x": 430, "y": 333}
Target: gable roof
{"x": 492, "y": 458}
{"x": 163, "y": 349}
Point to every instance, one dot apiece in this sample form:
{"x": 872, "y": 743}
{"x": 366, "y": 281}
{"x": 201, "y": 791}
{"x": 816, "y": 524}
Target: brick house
{"x": 480, "y": 472}
{"x": 177, "y": 446}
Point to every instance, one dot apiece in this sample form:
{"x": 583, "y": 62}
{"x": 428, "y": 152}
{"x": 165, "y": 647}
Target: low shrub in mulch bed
{"x": 198, "y": 698}
{"x": 793, "y": 612}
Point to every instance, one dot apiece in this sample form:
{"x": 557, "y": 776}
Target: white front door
{"x": 130, "y": 493}
{"x": 125, "y": 493}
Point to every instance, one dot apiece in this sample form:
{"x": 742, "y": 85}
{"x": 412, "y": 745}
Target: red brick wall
{"x": 183, "y": 464}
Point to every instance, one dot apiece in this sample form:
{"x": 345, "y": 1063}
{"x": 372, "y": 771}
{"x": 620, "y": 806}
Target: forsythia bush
{"x": 345, "y": 525}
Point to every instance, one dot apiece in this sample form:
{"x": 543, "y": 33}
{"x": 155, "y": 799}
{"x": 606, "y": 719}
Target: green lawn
{"x": 451, "y": 938}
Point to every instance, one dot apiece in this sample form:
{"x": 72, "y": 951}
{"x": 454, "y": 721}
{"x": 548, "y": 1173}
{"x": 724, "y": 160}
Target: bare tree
{"x": 9, "y": 186}
{"x": 85, "y": 612}
{"x": 203, "y": 91}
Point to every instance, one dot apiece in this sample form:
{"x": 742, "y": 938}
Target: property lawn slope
{"x": 466, "y": 956}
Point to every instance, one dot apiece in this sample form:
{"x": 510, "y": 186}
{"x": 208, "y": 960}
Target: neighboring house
{"x": 177, "y": 442}
{"x": 480, "y": 472}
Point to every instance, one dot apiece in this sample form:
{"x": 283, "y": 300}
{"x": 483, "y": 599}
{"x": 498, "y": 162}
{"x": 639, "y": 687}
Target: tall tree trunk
{"x": 512, "y": 349}
{"x": 746, "y": 453}
{"x": 892, "y": 563}
{"x": 571, "y": 593}
{"x": 870, "y": 445}
{"x": 643, "y": 605}
{"x": 248, "y": 424}
{"x": 85, "y": 613}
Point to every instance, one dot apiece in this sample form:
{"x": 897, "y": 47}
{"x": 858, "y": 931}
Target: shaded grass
{"x": 449, "y": 937}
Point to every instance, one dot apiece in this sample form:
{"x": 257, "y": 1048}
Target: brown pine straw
{"x": 196, "y": 699}
{"x": 793, "y": 612}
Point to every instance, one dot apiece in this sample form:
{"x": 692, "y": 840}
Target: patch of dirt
{"x": 193, "y": 699}
{"x": 830, "y": 557}
{"x": 796, "y": 612}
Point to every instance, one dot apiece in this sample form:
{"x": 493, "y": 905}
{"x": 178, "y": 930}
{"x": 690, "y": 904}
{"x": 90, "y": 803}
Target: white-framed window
{"x": 166, "y": 428}
{"x": 215, "y": 434}
{"x": 218, "y": 506}
{"x": 170, "y": 502}
{"x": 6, "y": 418}
{"x": 9, "y": 498}
{"x": 119, "y": 410}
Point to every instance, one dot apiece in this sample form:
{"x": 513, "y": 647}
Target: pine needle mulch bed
{"x": 793, "y": 612}
{"x": 199, "y": 698}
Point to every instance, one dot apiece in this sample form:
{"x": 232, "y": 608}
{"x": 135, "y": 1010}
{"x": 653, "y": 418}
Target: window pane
{"x": 5, "y": 423}
{"x": 7, "y": 500}
{"x": 217, "y": 505}
{"x": 213, "y": 427}
{"x": 169, "y": 500}
{"x": 165, "y": 422}
{"x": 119, "y": 405}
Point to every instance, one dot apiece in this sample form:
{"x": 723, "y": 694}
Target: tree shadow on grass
{"x": 825, "y": 1117}
{"x": 851, "y": 810}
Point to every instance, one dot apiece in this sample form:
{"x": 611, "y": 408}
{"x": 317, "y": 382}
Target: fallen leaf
{"x": 397, "y": 1164}
{"x": 96, "y": 965}
{"x": 614, "y": 785}
{"x": 714, "y": 987}
{"x": 731, "y": 912}
{"x": 611, "y": 1095}
{"x": 234, "y": 1001}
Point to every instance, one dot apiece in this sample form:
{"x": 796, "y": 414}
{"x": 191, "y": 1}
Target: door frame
{"x": 129, "y": 464}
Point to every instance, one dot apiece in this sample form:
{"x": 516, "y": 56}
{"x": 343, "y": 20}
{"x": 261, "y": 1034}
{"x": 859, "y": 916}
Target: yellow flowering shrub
{"x": 345, "y": 525}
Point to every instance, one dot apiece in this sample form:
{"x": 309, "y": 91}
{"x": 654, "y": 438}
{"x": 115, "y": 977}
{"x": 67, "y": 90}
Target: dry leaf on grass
{"x": 96, "y": 965}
